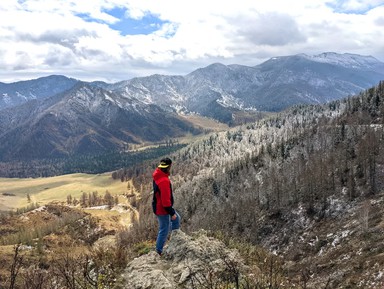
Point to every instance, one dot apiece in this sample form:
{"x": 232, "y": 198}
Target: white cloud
{"x": 271, "y": 29}
{"x": 74, "y": 38}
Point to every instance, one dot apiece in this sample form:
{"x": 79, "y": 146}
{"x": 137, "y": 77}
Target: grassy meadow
{"x": 14, "y": 191}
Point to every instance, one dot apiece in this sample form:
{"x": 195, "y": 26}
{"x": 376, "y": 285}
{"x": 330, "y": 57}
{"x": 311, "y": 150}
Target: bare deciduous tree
{"x": 17, "y": 262}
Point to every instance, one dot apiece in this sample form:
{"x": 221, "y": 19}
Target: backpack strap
{"x": 154, "y": 200}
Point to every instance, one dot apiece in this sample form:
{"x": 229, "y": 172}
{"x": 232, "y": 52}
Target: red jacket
{"x": 162, "y": 194}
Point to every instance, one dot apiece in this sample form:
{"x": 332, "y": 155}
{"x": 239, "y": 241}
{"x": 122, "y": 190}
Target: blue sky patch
{"x": 339, "y": 7}
{"x": 128, "y": 26}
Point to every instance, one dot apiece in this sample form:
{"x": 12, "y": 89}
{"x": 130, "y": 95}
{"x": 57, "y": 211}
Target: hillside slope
{"x": 84, "y": 120}
{"x": 306, "y": 184}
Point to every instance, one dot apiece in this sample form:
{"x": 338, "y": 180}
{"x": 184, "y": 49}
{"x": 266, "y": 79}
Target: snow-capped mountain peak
{"x": 346, "y": 60}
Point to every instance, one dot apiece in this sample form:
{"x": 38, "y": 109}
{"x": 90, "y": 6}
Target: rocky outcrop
{"x": 187, "y": 261}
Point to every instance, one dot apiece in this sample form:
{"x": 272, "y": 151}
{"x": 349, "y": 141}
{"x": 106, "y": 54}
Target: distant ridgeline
{"x": 93, "y": 164}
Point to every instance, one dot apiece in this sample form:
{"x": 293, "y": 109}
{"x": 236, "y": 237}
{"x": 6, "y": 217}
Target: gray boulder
{"x": 187, "y": 262}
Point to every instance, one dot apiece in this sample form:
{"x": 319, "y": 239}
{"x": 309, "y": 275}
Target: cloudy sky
{"x": 113, "y": 40}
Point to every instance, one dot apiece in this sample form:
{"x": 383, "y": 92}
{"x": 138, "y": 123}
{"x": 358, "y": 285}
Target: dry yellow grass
{"x": 112, "y": 219}
{"x": 13, "y": 192}
{"x": 206, "y": 123}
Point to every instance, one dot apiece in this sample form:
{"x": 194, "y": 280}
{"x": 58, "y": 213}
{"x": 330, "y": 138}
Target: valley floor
{"x": 17, "y": 193}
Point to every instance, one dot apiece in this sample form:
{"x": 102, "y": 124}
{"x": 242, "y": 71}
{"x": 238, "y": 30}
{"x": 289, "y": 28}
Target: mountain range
{"x": 59, "y": 116}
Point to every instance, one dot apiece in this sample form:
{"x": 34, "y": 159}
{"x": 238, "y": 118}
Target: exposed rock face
{"x": 187, "y": 261}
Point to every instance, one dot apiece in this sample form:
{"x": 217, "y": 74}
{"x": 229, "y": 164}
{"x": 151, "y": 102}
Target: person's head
{"x": 165, "y": 165}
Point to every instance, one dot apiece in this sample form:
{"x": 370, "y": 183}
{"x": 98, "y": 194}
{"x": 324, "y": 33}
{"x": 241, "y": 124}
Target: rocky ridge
{"x": 188, "y": 261}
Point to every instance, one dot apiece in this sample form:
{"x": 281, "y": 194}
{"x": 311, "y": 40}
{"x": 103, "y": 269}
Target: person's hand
{"x": 174, "y": 217}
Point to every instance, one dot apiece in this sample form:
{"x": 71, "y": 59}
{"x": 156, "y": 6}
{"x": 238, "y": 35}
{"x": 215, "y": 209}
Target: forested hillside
{"x": 311, "y": 175}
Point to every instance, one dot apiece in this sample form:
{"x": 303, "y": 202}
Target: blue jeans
{"x": 165, "y": 226}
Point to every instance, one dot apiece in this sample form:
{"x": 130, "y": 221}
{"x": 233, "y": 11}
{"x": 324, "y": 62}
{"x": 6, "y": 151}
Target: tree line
{"x": 92, "y": 164}
{"x": 93, "y": 199}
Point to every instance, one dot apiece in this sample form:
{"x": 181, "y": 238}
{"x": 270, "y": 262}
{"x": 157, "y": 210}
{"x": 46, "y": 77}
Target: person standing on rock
{"x": 162, "y": 203}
